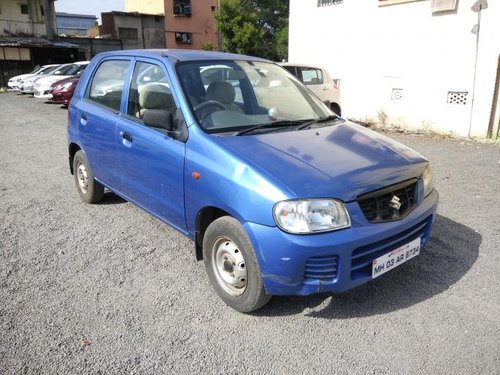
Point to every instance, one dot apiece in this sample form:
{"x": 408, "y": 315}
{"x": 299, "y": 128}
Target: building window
{"x": 182, "y": 7}
{"x": 24, "y": 9}
{"x": 324, "y": 3}
{"x": 128, "y": 34}
{"x": 183, "y": 38}
{"x": 42, "y": 12}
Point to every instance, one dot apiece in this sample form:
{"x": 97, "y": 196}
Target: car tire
{"x": 336, "y": 108}
{"x": 232, "y": 267}
{"x": 89, "y": 189}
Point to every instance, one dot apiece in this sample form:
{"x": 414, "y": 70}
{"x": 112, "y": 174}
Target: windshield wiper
{"x": 317, "y": 121}
{"x": 276, "y": 124}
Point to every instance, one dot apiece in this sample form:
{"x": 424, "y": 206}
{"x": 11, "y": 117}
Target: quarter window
{"x": 107, "y": 84}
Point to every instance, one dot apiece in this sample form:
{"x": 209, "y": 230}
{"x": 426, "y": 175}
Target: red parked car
{"x": 62, "y": 90}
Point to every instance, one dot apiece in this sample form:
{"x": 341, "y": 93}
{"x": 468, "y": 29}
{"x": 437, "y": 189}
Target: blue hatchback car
{"x": 280, "y": 195}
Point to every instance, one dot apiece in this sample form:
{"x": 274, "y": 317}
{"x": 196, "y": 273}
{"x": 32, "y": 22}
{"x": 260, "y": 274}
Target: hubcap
{"x": 82, "y": 176}
{"x": 229, "y": 266}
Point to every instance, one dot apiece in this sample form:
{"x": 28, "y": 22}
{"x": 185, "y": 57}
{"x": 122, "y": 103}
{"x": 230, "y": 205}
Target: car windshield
{"x": 66, "y": 70}
{"x": 245, "y": 96}
{"x": 47, "y": 70}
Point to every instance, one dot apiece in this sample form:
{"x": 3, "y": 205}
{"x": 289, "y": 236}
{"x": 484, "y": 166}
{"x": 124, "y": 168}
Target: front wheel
{"x": 232, "y": 267}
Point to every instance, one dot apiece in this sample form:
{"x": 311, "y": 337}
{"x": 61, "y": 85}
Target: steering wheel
{"x": 210, "y": 103}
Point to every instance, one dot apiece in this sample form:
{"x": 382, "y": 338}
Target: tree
{"x": 254, "y": 27}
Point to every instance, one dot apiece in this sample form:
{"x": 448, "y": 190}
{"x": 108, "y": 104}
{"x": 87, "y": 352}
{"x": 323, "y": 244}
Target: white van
{"x": 319, "y": 81}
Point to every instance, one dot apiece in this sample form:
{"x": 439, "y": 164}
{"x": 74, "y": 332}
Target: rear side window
{"x": 107, "y": 84}
{"x": 311, "y": 76}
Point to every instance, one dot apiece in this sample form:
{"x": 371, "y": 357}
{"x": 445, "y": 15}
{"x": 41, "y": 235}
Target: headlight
{"x": 428, "y": 182}
{"x": 311, "y": 215}
{"x": 66, "y": 86}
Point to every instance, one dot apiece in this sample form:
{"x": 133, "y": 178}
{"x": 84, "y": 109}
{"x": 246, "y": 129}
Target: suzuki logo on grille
{"x": 395, "y": 203}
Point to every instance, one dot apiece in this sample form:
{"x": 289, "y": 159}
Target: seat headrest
{"x": 155, "y": 96}
{"x": 221, "y": 91}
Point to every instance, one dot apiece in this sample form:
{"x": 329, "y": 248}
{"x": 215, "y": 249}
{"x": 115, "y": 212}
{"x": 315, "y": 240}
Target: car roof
{"x": 182, "y": 55}
{"x": 299, "y": 65}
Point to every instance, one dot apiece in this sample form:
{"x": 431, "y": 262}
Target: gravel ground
{"x": 108, "y": 289}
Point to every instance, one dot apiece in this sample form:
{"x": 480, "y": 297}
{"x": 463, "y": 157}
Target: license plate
{"x": 395, "y": 258}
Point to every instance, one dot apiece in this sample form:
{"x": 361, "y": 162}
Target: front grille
{"x": 362, "y": 257}
{"x": 391, "y": 203}
{"x": 322, "y": 268}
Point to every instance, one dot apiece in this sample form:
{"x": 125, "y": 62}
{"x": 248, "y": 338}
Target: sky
{"x": 93, "y": 7}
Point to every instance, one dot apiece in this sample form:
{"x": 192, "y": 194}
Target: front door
{"x": 151, "y": 162}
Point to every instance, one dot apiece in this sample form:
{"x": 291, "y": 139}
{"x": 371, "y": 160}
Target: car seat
{"x": 224, "y": 93}
{"x": 155, "y": 96}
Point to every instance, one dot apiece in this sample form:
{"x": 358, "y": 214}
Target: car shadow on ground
{"x": 111, "y": 198}
{"x": 449, "y": 255}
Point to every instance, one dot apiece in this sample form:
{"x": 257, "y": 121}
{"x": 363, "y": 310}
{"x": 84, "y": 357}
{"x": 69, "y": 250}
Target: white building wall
{"x": 376, "y": 50}
{"x": 145, "y": 6}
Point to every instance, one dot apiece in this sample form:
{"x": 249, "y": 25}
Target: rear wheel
{"x": 232, "y": 267}
{"x": 89, "y": 189}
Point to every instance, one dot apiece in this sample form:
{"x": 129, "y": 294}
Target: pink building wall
{"x": 192, "y": 30}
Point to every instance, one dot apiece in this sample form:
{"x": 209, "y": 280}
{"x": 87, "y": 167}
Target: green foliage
{"x": 208, "y": 46}
{"x": 254, "y": 27}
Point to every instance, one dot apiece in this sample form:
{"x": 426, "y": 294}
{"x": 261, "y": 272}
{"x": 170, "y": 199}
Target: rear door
{"x": 97, "y": 115}
{"x": 151, "y": 162}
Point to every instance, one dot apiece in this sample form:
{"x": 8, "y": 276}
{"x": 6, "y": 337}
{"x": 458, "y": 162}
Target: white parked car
{"x": 14, "y": 82}
{"x": 319, "y": 81}
{"x": 42, "y": 85}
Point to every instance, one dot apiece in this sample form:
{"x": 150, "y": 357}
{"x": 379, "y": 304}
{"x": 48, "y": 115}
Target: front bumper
{"x": 60, "y": 98}
{"x": 42, "y": 94}
{"x": 335, "y": 261}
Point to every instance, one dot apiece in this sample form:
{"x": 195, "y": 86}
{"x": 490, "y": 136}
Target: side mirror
{"x": 159, "y": 119}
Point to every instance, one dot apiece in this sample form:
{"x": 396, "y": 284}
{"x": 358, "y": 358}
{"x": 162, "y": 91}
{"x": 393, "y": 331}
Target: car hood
{"x": 65, "y": 80}
{"x": 20, "y": 77}
{"x": 340, "y": 161}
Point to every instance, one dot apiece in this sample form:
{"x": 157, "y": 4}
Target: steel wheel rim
{"x": 229, "y": 267}
{"x": 82, "y": 177}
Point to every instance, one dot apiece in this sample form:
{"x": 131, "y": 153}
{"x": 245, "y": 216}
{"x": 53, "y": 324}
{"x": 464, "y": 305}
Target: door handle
{"x": 83, "y": 119}
{"x": 126, "y": 136}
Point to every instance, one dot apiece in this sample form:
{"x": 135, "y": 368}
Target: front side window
{"x": 149, "y": 89}
{"x": 107, "y": 84}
